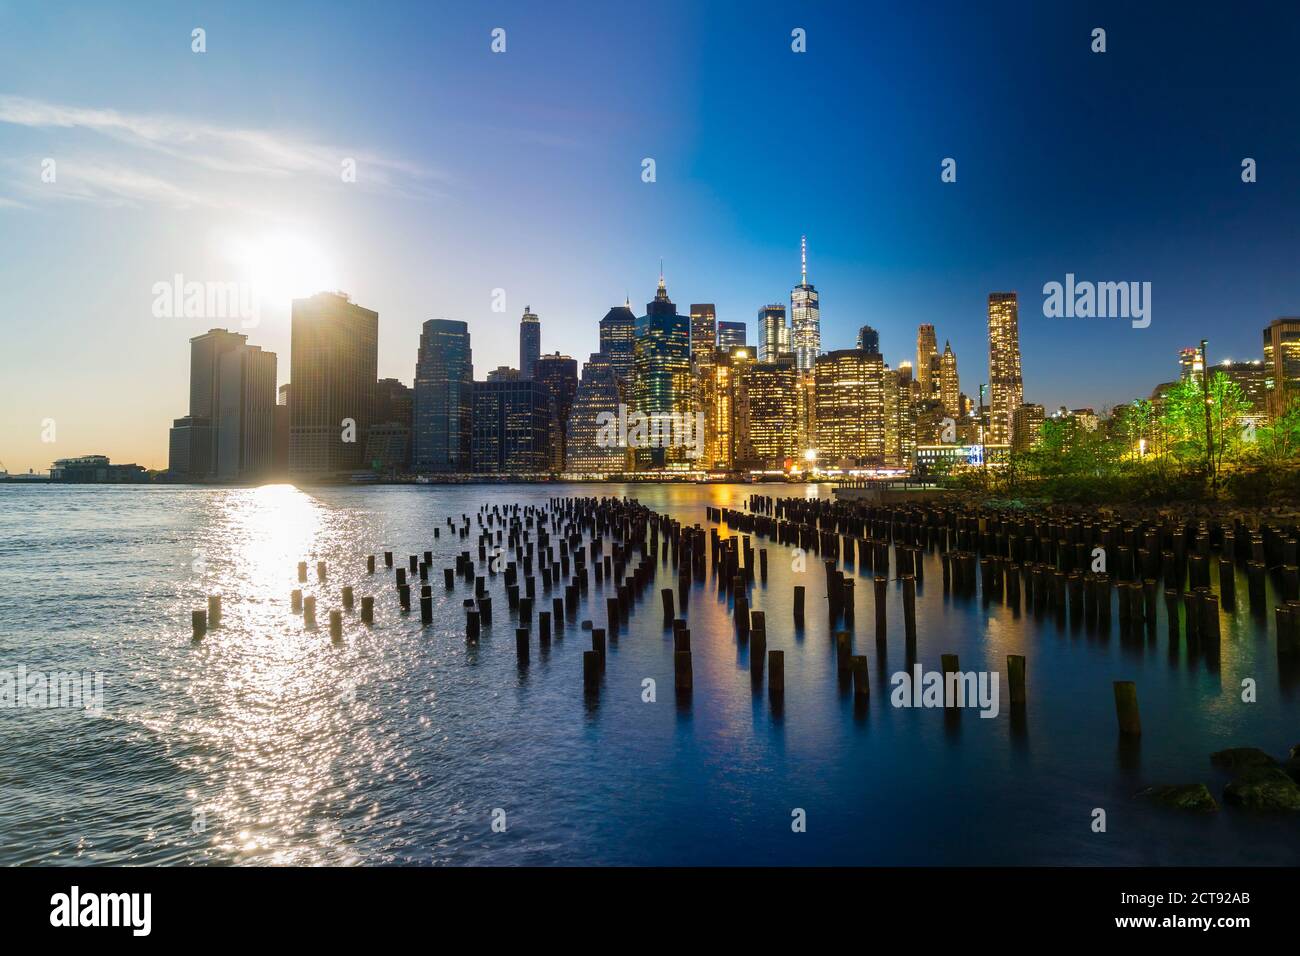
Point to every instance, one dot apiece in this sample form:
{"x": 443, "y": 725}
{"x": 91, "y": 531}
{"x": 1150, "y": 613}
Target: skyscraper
{"x": 558, "y": 376}
{"x": 704, "y": 350}
{"x": 850, "y": 407}
{"x": 444, "y": 382}
{"x": 230, "y": 431}
{"x": 1026, "y": 426}
{"x": 773, "y": 333}
{"x": 511, "y": 428}
{"x": 661, "y": 379}
{"x": 245, "y": 424}
{"x": 333, "y": 362}
{"x": 769, "y": 438}
{"x": 927, "y": 351}
{"x": 900, "y": 417}
{"x": 1189, "y": 363}
{"x": 731, "y": 335}
{"x": 1006, "y": 389}
{"x": 805, "y": 316}
{"x": 1282, "y": 363}
{"x": 949, "y": 383}
{"x": 868, "y": 339}
{"x": 530, "y": 342}
{"x": 585, "y": 450}
{"x": 618, "y": 343}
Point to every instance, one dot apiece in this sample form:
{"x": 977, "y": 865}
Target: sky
{"x": 521, "y": 171}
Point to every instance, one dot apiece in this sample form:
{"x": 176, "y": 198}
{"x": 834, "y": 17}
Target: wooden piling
{"x": 367, "y": 609}
{"x": 1126, "y": 708}
{"x": 1016, "y": 679}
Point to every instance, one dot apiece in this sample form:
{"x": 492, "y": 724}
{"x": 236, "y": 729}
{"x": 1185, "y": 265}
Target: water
{"x": 267, "y": 744}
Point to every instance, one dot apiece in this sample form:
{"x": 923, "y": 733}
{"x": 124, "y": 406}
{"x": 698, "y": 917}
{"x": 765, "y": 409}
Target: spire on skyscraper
{"x": 803, "y": 260}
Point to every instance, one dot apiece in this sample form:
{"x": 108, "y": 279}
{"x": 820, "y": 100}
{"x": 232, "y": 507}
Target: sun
{"x": 282, "y": 267}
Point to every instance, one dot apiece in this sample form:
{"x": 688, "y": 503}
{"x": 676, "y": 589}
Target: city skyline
{"x": 531, "y": 182}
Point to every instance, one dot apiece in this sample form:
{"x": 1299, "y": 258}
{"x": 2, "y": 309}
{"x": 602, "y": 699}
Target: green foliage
{"x": 1157, "y": 451}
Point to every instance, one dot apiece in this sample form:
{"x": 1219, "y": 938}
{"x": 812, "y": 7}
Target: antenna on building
{"x": 803, "y": 259}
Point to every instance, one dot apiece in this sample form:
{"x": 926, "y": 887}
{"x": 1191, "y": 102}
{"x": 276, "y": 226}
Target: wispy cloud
{"x": 221, "y": 149}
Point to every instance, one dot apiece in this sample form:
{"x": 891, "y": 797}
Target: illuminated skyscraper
{"x": 704, "y": 349}
{"x": 927, "y": 352}
{"x": 805, "y": 317}
{"x": 1006, "y": 389}
{"x": 900, "y": 417}
{"x": 768, "y": 438}
{"x": 661, "y": 372}
{"x": 511, "y": 428}
{"x": 1282, "y": 363}
{"x": 1189, "y": 363}
{"x": 731, "y": 335}
{"x": 444, "y": 397}
{"x": 334, "y": 357}
{"x": 585, "y": 452}
{"x": 850, "y": 403}
{"x": 773, "y": 333}
{"x": 949, "y": 383}
{"x": 530, "y": 342}
{"x": 617, "y": 344}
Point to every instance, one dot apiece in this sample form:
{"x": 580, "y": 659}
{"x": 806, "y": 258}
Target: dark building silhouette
{"x": 731, "y": 335}
{"x": 511, "y": 428}
{"x": 558, "y": 376}
{"x": 388, "y": 442}
{"x": 333, "y": 362}
{"x": 444, "y": 396}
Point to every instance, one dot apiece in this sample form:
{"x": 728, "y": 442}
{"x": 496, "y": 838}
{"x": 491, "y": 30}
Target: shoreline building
{"x": 530, "y": 342}
{"x": 230, "y": 431}
{"x": 333, "y": 364}
{"x": 1006, "y": 388}
{"x": 618, "y": 346}
{"x": 661, "y": 379}
{"x": 511, "y": 428}
{"x": 704, "y": 357}
{"x": 850, "y": 408}
{"x": 769, "y": 438}
{"x": 558, "y": 377}
{"x": 805, "y": 316}
{"x": 598, "y": 395}
{"x": 443, "y": 398}
{"x": 1027, "y": 426}
{"x": 245, "y": 424}
{"x": 388, "y": 445}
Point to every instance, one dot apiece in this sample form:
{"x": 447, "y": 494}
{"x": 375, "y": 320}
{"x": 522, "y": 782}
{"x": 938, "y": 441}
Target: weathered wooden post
{"x": 1126, "y": 708}
{"x": 347, "y": 597}
{"x": 199, "y": 621}
{"x": 1016, "y": 678}
{"x": 214, "y": 610}
{"x": 776, "y": 672}
{"x": 909, "y": 609}
{"x": 302, "y": 570}
{"x": 336, "y": 625}
{"x": 591, "y": 670}
{"x": 682, "y": 678}
{"x": 798, "y": 603}
{"x": 521, "y": 644}
{"x": 367, "y": 609}
{"x": 309, "y": 611}
{"x": 861, "y": 685}
{"x": 295, "y": 600}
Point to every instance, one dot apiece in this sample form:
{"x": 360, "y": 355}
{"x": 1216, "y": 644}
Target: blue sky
{"x": 522, "y": 171}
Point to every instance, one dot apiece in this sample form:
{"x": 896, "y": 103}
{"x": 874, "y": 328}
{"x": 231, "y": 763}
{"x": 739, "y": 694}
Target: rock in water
{"x": 1181, "y": 796}
{"x": 1239, "y": 758}
{"x": 1263, "y": 788}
